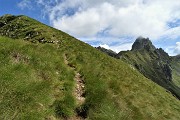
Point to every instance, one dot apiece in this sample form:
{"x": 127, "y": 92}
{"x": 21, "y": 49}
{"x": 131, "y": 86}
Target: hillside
{"x": 41, "y": 69}
{"x": 175, "y": 64}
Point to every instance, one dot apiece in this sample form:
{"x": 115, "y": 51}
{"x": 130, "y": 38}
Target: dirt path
{"x": 79, "y": 89}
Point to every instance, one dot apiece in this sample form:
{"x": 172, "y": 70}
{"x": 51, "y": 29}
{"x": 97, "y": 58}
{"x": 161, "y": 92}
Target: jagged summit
{"x": 143, "y": 43}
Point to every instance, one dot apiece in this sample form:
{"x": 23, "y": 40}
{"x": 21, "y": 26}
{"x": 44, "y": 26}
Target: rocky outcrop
{"x": 109, "y": 52}
{"x": 143, "y": 43}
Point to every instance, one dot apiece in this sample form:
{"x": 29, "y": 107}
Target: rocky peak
{"x": 143, "y": 43}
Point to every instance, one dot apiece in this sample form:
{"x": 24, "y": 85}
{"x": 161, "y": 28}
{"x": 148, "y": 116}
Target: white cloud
{"x": 170, "y": 50}
{"x": 173, "y": 49}
{"x": 177, "y": 48}
{"x": 118, "y": 17}
{"x": 118, "y": 48}
{"x": 105, "y": 46}
{"x": 25, "y": 4}
{"x": 78, "y": 23}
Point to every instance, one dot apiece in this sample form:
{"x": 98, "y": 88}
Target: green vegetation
{"x": 29, "y": 29}
{"x": 153, "y": 63}
{"x": 36, "y": 83}
{"x": 175, "y": 64}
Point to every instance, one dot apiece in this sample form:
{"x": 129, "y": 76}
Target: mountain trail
{"x": 79, "y": 90}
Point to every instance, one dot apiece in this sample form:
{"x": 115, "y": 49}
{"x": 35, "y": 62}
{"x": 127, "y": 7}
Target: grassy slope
{"x": 36, "y": 83}
{"x": 33, "y": 79}
{"x": 175, "y": 64}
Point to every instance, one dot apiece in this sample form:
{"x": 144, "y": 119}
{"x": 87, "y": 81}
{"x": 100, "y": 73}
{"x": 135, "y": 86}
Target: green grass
{"x": 112, "y": 85}
{"x": 36, "y": 83}
{"x": 175, "y": 64}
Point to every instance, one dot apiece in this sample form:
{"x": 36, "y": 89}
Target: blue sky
{"x": 12, "y": 7}
{"x": 113, "y": 24}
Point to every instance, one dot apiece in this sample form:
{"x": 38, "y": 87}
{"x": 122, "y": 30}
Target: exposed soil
{"x": 79, "y": 90}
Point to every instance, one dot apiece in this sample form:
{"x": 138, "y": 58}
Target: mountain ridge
{"x": 154, "y": 63}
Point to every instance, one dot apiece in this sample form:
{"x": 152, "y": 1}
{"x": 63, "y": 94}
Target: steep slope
{"x": 152, "y": 63}
{"x": 38, "y": 80}
{"x": 175, "y": 64}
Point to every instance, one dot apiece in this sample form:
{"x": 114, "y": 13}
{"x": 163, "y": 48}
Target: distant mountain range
{"x": 48, "y": 74}
{"x": 153, "y": 63}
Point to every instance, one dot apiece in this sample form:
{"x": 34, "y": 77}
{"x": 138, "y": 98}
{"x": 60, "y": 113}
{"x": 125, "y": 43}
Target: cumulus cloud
{"x": 117, "y": 48}
{"x": 170, "y": 50}
{"x": 177, "y": 48}
{"x": 173, "y": 49}
{"x": 78, "y": 23}
{"x": 116, "y": 17}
